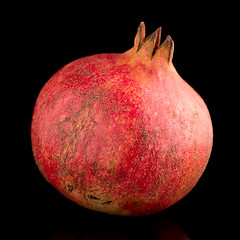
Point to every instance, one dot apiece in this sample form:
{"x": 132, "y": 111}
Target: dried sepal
{"x": 165, "y": 51}
{"x": 151, "y": 44}
{"x": 140, "y": 36}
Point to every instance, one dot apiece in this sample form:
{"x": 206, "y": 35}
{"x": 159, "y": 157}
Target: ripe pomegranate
{"x": 123, "y": 133}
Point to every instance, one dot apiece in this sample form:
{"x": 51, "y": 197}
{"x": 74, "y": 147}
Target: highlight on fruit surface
{"x": 122, "y": 134}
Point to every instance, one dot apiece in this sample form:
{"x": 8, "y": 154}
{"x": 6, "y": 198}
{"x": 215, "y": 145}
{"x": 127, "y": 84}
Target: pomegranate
{"x": 122, "y": 134}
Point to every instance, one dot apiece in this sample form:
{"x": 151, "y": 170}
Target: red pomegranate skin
{"x": 122, "y": 134}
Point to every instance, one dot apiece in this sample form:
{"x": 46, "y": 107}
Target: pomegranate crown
{"x": 149, "y": 48}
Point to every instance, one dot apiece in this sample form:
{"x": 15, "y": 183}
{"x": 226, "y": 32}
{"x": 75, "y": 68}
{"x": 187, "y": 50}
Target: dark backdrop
{"x": 45, "y": 38}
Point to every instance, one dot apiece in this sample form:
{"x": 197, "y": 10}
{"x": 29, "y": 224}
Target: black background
{"x": 45, "y": 38}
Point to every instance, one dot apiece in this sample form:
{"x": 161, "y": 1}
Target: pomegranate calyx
{"x": 149, "y": 49}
